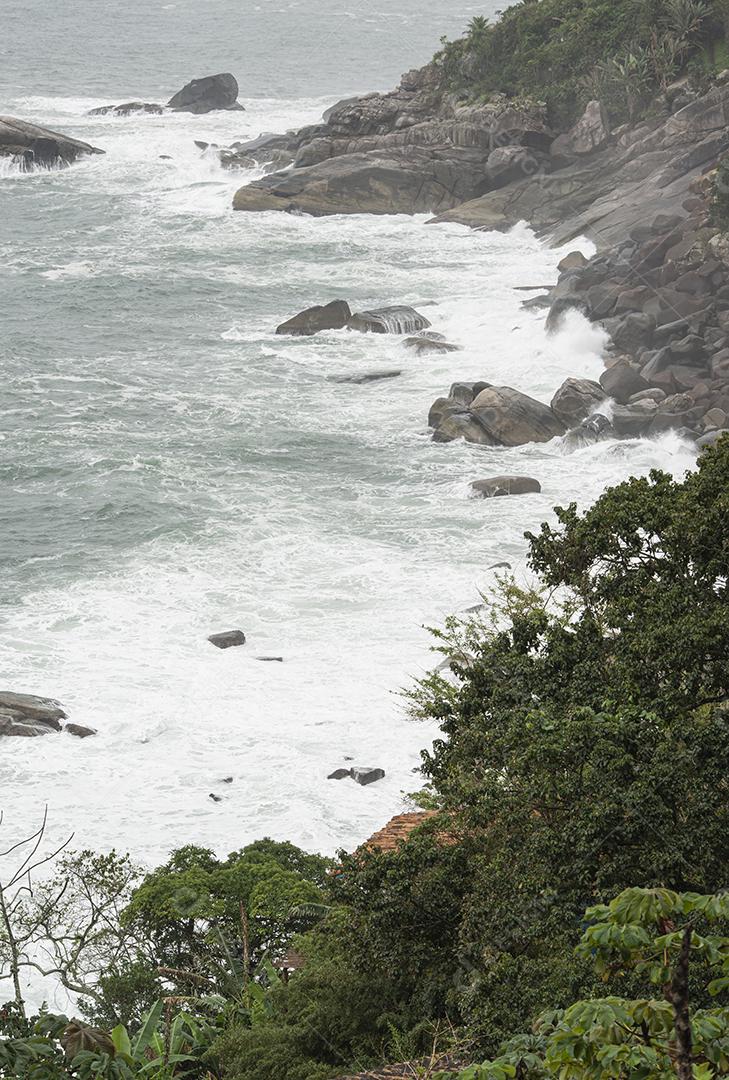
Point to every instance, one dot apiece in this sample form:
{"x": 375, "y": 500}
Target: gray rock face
{"x": 129, "y": 108}
{"x": 388, "y": 320}
{"x": 209, "y": 94}
{"x": 590, "y": 133}
{"x": 495, "y": 486}
{"x": 576, "y": 399}
{"x": 37, "y": 147}
{"x": 332, "y": 316}
{"x": 622, "y": 382}
{"x": 618, "y": 187}
{"x": 228, "y": 640}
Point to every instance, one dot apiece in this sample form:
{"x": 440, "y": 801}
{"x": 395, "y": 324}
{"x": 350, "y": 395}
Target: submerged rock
{"x": 425, "y": 344}
{"x": 388, "y": 320}
{"x": 209, "y": 94}
{"x": 227, "y": 640}
{"x": 332, "y": 316}
{"x": 129, "y": 108}
{"x": 366, "y": 377}
{"x": 495, "y": 486}
{"x": 80, "y": 731}
{"x": 595, "y": 429}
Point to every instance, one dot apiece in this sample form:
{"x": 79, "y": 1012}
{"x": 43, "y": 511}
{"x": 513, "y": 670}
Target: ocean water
{"x": 170, "y": 468}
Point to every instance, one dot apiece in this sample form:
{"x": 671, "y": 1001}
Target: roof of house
{"x": 397, "y": 831}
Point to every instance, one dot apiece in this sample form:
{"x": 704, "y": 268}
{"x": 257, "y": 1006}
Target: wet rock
{"x": 461, "y": 424}
{"x": 495, "y": 486}
{"x": 443, "y": 407}
{"x": 425, "y": 344}
{"x": 270, "y": 659}
{"x": 332, "y": 316}
{"x": 576, "y": 399}
{"x": 630, "y": 421}
{"x": 388, "y": 320}
{"x": 228, "y": 640}
{"x": 366, "y": 776}
{"x": 209, "y": 94}
{"x": 129, "y": 108}
{"x": 595, "y": 429}
{"x": 34, "y": 146}
{"x": 227, "y": 780}
{"x": 215, "y": 798}
{"x": 80, "y": 731}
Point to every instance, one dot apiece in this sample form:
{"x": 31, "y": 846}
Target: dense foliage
{"x": 565, "y": 52}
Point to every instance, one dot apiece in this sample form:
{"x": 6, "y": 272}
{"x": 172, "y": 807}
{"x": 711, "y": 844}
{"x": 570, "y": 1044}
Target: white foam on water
{"x": 316, "y": 515}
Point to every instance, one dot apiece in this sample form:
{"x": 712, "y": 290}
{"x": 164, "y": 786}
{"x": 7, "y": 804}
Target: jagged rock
{"x": 34, "y": 146}
{"x": 595, "y": 429}
{"x": 423, "y": 344}
{"x": 622, "y": 382}
{"x": 590, "y": 133}
{"x": 576, "y": 399}
{"x": 388, "y": 320}
{"x": 495, "y": 486}
{"x": 209, "y": 94}
{"x": 227, "y": 640}
{"x": 80, "y": 731}
{"x": 129, "y": 108}
{"x": 332, "y": 316}
{"x": 366, "y": 776}
{"x": 513, "y": 418}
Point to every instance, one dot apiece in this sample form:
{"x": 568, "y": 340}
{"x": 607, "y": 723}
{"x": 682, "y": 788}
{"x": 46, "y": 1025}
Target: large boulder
{"x": 576, "y": 399}
{"x": 622, "y": 382}
{"x": 209, "y": 94}
{"x": 229, "y": 639}
{"x": 513, "y": 418}
{"x": 33, "y": 146}
{"x": 388, "y": 320}
{"x": 332, "y": 316}
{"x": 595, "y": 429}
{"x": 495, "y": 486}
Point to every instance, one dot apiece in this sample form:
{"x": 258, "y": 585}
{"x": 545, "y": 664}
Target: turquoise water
{"x": 170, "y": 468}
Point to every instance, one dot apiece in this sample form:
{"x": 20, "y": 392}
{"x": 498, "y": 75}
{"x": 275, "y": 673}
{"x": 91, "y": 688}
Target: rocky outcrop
{"x": 644, "y": 171}
{"x": 30, "y": 146}
{"x": 414, "y": 150}
{"x": 388, "y": 320}
{"x": 423, "y": 343}
{"x": 496, "y": 486}
{"x": 27, "y": 716}
{"x": 590, "y": 133}
{"x": 209, "y": 94}
{"x": 495, "y": 416}
{"x": 332, "y": 316}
